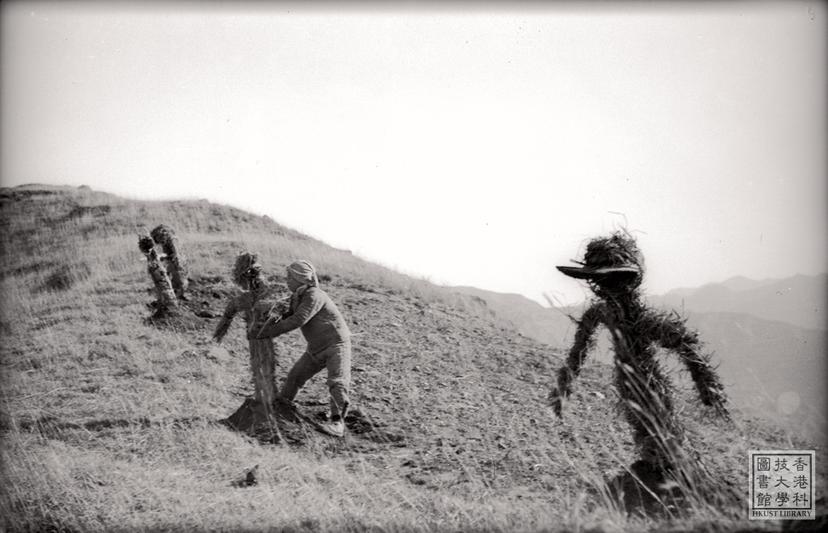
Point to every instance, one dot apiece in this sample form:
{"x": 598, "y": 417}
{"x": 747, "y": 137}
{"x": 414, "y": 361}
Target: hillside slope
{"x": 550, "y": 326}
{"x": 110, "y": 423}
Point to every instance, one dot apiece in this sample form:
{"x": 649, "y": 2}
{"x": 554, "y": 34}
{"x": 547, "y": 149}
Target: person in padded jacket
{"x": 328, "y": 338}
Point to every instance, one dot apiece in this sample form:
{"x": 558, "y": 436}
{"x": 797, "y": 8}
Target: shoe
{"x": 335, "y": 428}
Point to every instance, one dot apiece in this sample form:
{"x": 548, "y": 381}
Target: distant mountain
{"x": 736, "y": 283}
{"x": 741, "y": 283}
{"x": 799, "y": 300}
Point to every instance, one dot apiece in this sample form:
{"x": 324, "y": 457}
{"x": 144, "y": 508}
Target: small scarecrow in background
{"x": 168, "y": 270}
{"x": 613, "y": 267}
{"x": 253, "y": 304}
{"x": 166, "y": 300}
{"x": 176, "y": 261}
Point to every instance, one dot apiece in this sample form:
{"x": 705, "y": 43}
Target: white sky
{"x": 478, "y": 144}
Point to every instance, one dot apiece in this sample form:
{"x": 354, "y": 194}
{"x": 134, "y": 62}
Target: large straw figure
{"x": 247, "y": 274}
{"x": 613, "y": 267}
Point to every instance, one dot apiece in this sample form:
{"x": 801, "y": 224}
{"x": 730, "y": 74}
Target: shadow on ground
{"x": 291, "y": 424}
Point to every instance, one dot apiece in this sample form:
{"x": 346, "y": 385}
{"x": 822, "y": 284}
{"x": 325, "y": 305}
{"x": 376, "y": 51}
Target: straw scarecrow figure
{"x": 614, "y": 268}
{"x": 176, "y": 262}
{"x": 247, "y": 274}
{"x": 166, "y": 300}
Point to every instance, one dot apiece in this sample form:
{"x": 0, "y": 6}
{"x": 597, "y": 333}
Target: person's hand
{"x": 281, "y": 309}
{"x": 555, "y": 400}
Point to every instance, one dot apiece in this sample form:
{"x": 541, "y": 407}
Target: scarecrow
{"x": 247, "y": 274}
{"x": 166, "y": 300}
{"x": 176, "y": 262}
{"x": 613, "y": 267}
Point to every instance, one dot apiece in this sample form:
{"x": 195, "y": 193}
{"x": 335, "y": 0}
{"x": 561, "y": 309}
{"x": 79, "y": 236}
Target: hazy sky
{"x": 479, "y": 144}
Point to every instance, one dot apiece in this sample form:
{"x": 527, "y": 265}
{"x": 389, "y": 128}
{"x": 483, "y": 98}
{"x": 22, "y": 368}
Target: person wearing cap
{"x": 613, "y": 267}
{"x": 328, "y": 337}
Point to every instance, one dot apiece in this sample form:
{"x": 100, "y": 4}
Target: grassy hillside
{"x": 110, "y": 423}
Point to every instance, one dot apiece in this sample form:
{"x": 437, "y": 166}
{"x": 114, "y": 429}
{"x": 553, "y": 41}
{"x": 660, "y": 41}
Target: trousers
{"x": 337, "y": 360}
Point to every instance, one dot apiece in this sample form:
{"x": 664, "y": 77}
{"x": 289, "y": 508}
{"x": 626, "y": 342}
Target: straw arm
{"x": 308, "y": 306}
{"x": 673, "y": 334}
{"x": 584, "y": 341}
{"x": 226, "y": 319}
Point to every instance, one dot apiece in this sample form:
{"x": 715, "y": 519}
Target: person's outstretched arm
{"x": 584, "y": 341}
{"x": 309, "y": 304}
{"x": 671, "y": 332}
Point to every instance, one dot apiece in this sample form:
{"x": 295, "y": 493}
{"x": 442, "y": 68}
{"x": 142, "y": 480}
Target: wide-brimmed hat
{"x": 614, "y": 256}
{"x": 586, "y": 272}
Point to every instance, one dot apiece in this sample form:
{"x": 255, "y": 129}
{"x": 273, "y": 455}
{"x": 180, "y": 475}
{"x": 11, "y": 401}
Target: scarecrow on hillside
{"x": 613, "y": 267}
{"x": 252, "y": 304}
{"x": 166, "y": 300}
{"x": 328, "y": 338}
{"x": 176, "y": 262}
